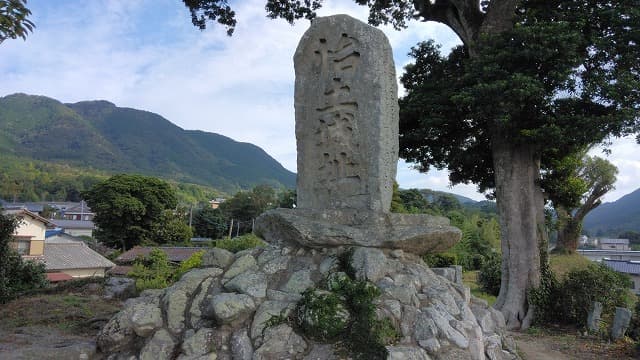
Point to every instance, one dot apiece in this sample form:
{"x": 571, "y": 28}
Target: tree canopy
{"x": 129, "y": 209}
{"x": 13, "y": 20}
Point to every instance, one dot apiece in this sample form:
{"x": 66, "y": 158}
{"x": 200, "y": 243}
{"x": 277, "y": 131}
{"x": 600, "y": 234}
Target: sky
{"x": 146, "y": 54}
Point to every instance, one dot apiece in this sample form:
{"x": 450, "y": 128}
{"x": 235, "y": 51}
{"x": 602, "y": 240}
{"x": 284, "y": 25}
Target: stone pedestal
{"x": 413, "y": 233}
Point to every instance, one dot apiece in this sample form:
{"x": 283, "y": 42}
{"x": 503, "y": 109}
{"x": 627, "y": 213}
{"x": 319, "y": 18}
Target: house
{"x": 631, "y": 268}
{"x": 77, "y": 211}
{"x": 176, "y": 254}
{"x": 614, "y": 244}
{"x": 75, "y": 227}
{"x": 215, "y": 203}
{"x": 65, "y": 255}
{"x": 29, "y": 236}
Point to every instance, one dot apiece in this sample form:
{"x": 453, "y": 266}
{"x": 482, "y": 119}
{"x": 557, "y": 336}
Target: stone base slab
{"x": 413, "y": 233}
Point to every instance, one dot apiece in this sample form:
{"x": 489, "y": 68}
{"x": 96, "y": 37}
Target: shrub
{"x": 634, "y": 326}
{"x": 153, "y": 273}
{"x": 194, "y": 261}
{"x": 244, "y": 242}
{"x": 490, "y": 274}
{"x": 595, "y": 283}
{"x": 322, "y": 315}
{"x": 440, "y": 260}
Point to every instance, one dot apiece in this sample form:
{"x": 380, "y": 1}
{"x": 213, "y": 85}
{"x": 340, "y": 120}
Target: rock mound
{"x": 273, "y": 303}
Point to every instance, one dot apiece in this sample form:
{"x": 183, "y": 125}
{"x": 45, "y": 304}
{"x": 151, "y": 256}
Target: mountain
{"x": 610, "y": 219}
{"x": 99, "y": 135}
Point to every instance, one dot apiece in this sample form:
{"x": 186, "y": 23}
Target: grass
{"x": 470, "y": 279}
{"x": 561, "y": 264}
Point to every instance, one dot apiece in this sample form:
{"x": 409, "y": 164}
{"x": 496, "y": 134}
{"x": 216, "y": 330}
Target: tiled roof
{"x": 175, "y": 254}
{"x": 615, "y": 241}
{"x": 120, "y": 270}
{"x": 73, "y": 256}
{"x": 74, "y": 224}
{"x": 61, "y": 238}
{"x": 623, "y": 266}
{"x": 25, "y": 212}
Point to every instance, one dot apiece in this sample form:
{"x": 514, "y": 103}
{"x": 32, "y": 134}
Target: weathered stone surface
{"x": 117, "y": 334}
{"x": 198, "y": 343}
{"x": 119, "y": 288}
{"x": 321, "y": 352}
{"x": 146, "y": 317}
{"x": 621, "y": 321}
{"x": 280, "y": 342}
{"x": 229, "y": 307}
{"x": 195, "y": 312}
{"x": 298, "y": 282}
{"x": 241, "y": 348}
{"x": 250, "y": 283}
{"x": 159, "y": 347}
{"x": 217, "y": 257}
{"x": 265, "y": 312}
{"x": 446, "y": 329}
{"x": 346, "y": 116}
{"x": 413, "y": 233}
{"x": 432, "y": 345}
{"x": 593, "y": 318}
{"x": 369, "y": 263}
{"x": 242, "y": 264}
{"x": 406, "y": 353}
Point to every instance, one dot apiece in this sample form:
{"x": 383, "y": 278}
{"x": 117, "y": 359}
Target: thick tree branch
{"x": 462, "y": 16}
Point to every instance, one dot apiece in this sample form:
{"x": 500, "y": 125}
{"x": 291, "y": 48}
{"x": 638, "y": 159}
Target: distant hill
{"x": 101, "y": 136}
{"x": 610, "y": 219}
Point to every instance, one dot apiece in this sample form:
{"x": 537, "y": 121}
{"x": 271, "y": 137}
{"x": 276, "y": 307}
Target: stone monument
{"x": 346, "y": 109}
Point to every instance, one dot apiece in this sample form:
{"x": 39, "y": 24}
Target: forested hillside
{"x": 611, "y": 219}
{"x": 99, "y": 138}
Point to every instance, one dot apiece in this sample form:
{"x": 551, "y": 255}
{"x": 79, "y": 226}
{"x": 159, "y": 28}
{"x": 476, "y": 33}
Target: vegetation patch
{"x": 244, "y": 242}
{"x": 346, "y": 310}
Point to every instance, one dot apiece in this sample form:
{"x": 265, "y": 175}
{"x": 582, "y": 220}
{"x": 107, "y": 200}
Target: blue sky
{"x": 145, "y": 54}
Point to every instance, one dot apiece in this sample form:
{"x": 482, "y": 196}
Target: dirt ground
{"x": 566, "y": 343}
{"x": 54, "y": 326}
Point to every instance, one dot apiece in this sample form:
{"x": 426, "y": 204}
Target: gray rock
{"x": 406, "y": 353}
{"x": 117, "y": 334}
{"x": 277, "y": 295}
{"x": 298, "y": 282}
{"x": 241, "y": 348}
{"x": 159, "y": 347}
{"x": 217, "y": 257}
{"x": 199, "y": 343}
{"x": 493, "y": 348}
{"x": 328, "y": 265}
{"x": 369, "y": 263}
{"x": 250, "y": 283}
{"x": 177, "y": 297}
{"x": 621, "y": 321}
{"x": 321, "y": 352}
{"x": 425, "y": 327}
{"x": 229, "y": 307}
{"x": 265, "y": 312}
{"x": 242, "y": 264}
{"x": 432, "y": 345}
{"x": 447, "y": 273}
{"x": 119, "y": 288}
{"x": 280, "y": 342}
{"x": 145, "y": 317}
{"x": 413, "y": 233}
{"x": 458, "y": 274}
{"x": 593, "y": 318}
{"x": 195, "y": 312}
{"x": 405, "y": 294}
{"x": 446, "y": 330}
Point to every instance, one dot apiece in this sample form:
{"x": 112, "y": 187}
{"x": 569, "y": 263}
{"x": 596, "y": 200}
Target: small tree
{"x": 211, "y": 223}
{"x": 13, "y": 20}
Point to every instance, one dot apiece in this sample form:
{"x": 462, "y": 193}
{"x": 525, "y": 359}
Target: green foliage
{"x": 245, "y": 206}
{"x": 287, "y": 199}
{"x": 129, "y": 209}
{"x": 13, "y": 20}
{"x": 16, "y": 275}
{"x": 489, "y": 274}
{"x": 397, "y": 205}
{"x": 322, "y": 315}
{"x": 194, "y": 261}
{"x": 210, "y": 223}
{"x": 171, "y": 229}
{"x": 634, "y": 326}
{"x": 440, "y": 260}
{"x": 154, "y": 272}
{"x": 244, "y": 242}
{"x": 569, "y": 300}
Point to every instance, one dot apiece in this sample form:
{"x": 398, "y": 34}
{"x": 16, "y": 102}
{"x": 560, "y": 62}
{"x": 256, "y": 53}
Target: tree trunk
{"x": 520, "y": 207}
{"x": 569, "y": 231}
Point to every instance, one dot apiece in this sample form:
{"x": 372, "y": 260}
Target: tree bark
{"x": 520, "y": 205}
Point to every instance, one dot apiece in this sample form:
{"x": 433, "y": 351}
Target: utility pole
{"x": 230, "y": 228}
{"x": 190, "y": 215}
